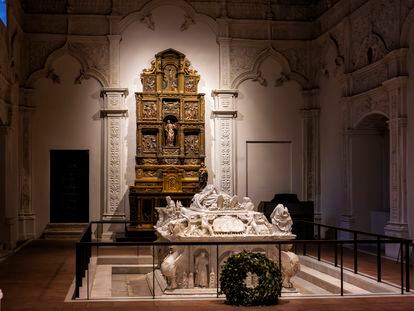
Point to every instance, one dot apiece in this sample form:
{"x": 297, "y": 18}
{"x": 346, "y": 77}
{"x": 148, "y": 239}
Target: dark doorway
{"x": 69, "y": 186}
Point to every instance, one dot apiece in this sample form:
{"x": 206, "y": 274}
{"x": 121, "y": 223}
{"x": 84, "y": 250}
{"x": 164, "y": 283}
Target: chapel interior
{"x": 109, "y": 106}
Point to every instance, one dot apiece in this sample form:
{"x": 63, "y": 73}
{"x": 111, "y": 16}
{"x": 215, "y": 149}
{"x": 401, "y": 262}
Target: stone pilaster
{"x": 114, "y": 114}
{"x": 396, "y": 88}
{"x": 311, "y": 150}
{"x": 224, "y": 44}
{"x": 347, "y": 219}
{"x": 26, "y": 216}
{"x": 224, "y": 115}
{"x": 114, "y": 59}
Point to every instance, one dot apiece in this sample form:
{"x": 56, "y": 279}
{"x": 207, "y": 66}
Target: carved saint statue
{"x": 169, "y": 268}
{"x": 281, "y": 220}
{"x": 169, "y": 134}
{"x": 202, "y": 176}
{"x": 201, "y": 263}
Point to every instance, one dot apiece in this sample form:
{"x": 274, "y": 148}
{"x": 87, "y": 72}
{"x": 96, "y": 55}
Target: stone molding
{"x": 114, "y": 113}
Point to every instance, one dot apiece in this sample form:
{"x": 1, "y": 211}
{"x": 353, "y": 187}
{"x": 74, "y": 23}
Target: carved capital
{"x": 114, "y": 101}
{"x": 225, "y": 99}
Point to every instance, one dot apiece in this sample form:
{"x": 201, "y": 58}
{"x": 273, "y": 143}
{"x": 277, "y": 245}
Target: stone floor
{"x": 38, "y": 277}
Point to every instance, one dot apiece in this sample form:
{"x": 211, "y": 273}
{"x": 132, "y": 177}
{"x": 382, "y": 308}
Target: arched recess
{"x": 269, "y": 143}
{"x": 86, "y": 71}
{"x": 370, "y": 163}
{"x": 286, "y": 74}
{"x": 144, "y": 15}
{"x": 66, "y": 117}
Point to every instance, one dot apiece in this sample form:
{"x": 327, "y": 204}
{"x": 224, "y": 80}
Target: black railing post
{"x": 342, "y": 270}
{"x": 336, "y": 247}
{"x": 319, "y": 243}
{"x": 217, "y": 270}
{"x": 407, "y": 265}
{"x": 78, "y": 277}
{"x": 402, "y": 267}
{"x": 280, "y": 258}
{"x": 355, "y": 253}
{"x": 379, "y": 261}
{"x": 153, "y": 271}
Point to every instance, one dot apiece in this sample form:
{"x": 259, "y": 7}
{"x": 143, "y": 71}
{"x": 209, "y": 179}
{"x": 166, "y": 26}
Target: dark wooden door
{"x": 69, "y": 186}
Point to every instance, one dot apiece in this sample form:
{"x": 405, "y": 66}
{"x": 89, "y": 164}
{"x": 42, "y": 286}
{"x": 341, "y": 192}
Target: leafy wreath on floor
{"x": 233, "y": 276}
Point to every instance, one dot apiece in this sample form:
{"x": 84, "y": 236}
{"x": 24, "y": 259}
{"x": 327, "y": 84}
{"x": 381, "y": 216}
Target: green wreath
{"x": 233, "y": 276}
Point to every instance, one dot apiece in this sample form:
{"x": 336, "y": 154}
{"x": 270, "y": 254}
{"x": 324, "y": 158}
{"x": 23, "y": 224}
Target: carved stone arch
{"x": 362, "y": 118}
{"x": 254, "y": 72}
{"x": 86, "y": 71}
{"x": 330, "y": 42}
{"x": 407, "y": 29}
{"x": 374, "y": 43}
{"x": 146, "y": 10}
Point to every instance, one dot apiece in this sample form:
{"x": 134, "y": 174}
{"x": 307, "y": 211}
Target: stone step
{"x": 64, "y": 231}
{"x": 365, "y": 283}
{"x": 327, "y": 282}
{"x": 307, "y": 288}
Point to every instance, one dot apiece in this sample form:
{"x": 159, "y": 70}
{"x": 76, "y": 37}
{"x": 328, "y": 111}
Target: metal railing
{"x": 86, "y": 244}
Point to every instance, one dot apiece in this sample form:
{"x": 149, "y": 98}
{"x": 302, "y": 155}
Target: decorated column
{"x": 114, "y": 113}
{"x": 224, "y": 114}
{"x": 27, "y": 217}
{"x": 311, "y": 150}
{"x": 396, "y": 88}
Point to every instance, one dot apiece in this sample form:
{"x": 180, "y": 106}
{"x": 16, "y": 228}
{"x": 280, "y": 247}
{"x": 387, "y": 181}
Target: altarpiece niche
{"x": 170, "y": 137}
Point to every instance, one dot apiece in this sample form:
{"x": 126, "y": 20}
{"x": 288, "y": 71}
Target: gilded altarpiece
{"x": 170, "y": 137}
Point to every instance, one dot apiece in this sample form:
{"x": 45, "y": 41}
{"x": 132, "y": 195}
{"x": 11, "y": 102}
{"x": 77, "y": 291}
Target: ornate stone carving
{"x": 242, "y": 59}
{"x": 50, "y": 74}
{"x": 371, "y": 50}
{"x": 224, "y": 115}
{"x": 149, "y": 110}
{"x": 188, "y": 21}
{"x": 214, "y": 213}
{"x": 192, "y": 145}
{"x": 113, "y": 112}
{"x": 191, "y": 111}
{"x": 170, "y": 108}
{"x": 259, "y": 78}
{"x": 147, "y": 20}
{"x": 148, "y": 83}
{"x": 149, "y": 143}
{"x": 114, "y": 164}
{"x": 226, "y": 150}
{"x": 82, "y": 76}
{"x": 95, "y": 53}
{"x": 216, "y": 216}
{"x": 190, "y": 84}
{"x": 39, "y": 51}
{"x": 282, "y": 79}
